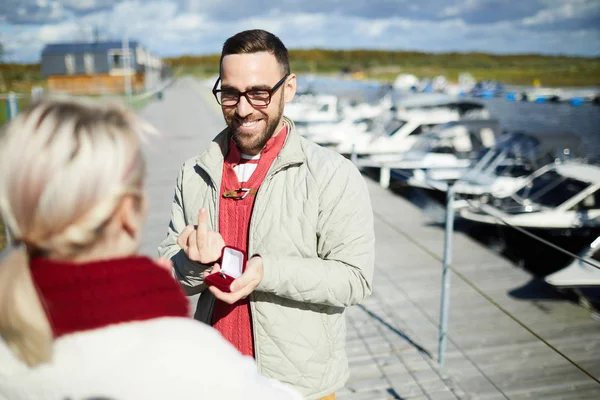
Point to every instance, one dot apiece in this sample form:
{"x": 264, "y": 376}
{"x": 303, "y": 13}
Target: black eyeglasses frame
{"x": 271, "y": 91}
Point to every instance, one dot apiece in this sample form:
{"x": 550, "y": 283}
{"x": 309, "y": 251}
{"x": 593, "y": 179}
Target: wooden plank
{"x": 392, "y": 337}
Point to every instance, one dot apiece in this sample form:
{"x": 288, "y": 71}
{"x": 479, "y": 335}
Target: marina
{"x": 510, "y": 335}
{"x": 475, "y": 126}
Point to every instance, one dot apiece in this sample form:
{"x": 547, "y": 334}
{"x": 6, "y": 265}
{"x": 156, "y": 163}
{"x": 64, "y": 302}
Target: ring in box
{"x": 232, "y": 264}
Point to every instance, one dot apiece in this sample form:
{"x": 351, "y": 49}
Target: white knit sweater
{"x": 163, "y": 358}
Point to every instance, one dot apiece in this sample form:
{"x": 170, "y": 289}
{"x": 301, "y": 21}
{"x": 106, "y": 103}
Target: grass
{"x": 550, "y": 71}
{"x": 140, "y": 104}
{"x": 558, "y": 77}
{"x": 4, "y": 111}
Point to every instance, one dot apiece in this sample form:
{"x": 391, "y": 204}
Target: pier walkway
{"x": 392, "y": 337}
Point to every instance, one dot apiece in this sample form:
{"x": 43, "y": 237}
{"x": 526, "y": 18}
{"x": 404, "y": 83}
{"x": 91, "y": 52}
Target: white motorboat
{"x": 401, "y": 133}
{"x": 581, "y": 276}
{"x": 507, "y": 166}
{"x": 580, "y": 273}
{"x": 449, "y": 149}
{"x": 313, "y": 108}
{"x": 356, "y": 118}
{"x": 560, "y": 206}
{"x": 564, "y": 196}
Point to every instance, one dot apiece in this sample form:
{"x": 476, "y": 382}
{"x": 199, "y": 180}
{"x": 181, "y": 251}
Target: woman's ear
{"x": 290, "y": 88}
{"x": 130, "y": 214}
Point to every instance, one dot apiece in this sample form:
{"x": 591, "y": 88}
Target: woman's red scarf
{"x": 234, "y": 320}
{"x": 81, "y": 297}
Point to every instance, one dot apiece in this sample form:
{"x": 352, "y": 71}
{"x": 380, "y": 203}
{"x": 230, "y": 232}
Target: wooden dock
{"x": 392, "y": 337}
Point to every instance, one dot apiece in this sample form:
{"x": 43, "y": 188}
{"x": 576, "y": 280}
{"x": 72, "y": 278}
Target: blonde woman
{"x": 81, "y": 316}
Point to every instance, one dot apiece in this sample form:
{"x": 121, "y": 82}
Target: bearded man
{"x": 300, "y": 212}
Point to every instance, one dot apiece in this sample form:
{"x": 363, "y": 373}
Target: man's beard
{"x": 255, "y": 144}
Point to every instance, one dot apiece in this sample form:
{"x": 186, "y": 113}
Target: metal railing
{"x": 450, "y": 208}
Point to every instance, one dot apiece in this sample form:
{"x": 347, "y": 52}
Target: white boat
{"x": 579, "y": 273}
{"x": 448, "y": 149}
{"x": 581, "y": 277}
{"x": 406, "y": 82}
{"x": 313, "y": 108}
{"x": 565, "y": 196}
{"x": 356, "y": 118}
{"x": 507, "y": 166}
{"x": 411, "y": 121}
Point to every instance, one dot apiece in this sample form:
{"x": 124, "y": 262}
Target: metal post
{"x": 13, "y": 110}
{"x": 445, "y": 300}
{"x": 353, "y": 155}
{"x": 8, "y": 236}
{"x": 384, "y": 177}
{"x": 127, "y": 68}
{"x": 12, "y": 105}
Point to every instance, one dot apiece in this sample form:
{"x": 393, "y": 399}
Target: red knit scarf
{"x": 234, "y": 320}
{"x": 81, "y": 297}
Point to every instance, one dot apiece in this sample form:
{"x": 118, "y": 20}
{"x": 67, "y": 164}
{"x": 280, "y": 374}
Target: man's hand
{"x": 164, "y": 263}
{"x": 200, "y": 244}
{"x": 242, "y": 286}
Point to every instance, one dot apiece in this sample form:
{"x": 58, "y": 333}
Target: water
{"x": 583, "y": 120}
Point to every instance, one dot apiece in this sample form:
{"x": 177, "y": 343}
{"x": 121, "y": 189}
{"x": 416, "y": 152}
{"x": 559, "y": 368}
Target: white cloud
{"x": 561, "y": 10}
{"x": 82, "y": 5}
{"x": 371, "y": 28}
{"x": 186, "y": 22}
{"x": 307, "y": 21}
{"x": 175, "y": 27}
{"x": 58, "y": 32}
{"x": 455, "y": 10}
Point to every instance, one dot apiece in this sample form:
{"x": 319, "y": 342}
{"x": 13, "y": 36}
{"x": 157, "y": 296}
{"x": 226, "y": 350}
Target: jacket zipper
{"x": 215, "y": 198}
{"x": 252, "y": 304}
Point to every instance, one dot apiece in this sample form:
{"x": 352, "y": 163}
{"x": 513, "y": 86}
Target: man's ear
{"x": 290, "y": 88}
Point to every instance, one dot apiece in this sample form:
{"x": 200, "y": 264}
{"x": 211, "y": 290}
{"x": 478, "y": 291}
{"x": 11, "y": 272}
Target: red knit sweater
{"x": 234, "y": 320}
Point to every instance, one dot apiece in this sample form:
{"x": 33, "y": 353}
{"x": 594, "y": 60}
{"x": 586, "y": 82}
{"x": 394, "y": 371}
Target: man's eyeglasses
{"x": 256, "y": 97}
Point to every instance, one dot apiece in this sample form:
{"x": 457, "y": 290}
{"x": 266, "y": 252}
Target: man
{"x": 301, "y": 212}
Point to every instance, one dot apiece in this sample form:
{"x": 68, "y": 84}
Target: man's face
{"x": 253, "y": 126}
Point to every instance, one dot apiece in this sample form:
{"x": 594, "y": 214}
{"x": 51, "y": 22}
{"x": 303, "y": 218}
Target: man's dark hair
{"x": 255, "y": 41}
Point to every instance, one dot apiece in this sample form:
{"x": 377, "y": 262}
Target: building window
{"x": 70, "y": 64}
{"x": 115, "y": 59}
{"x": 88, "y": 62}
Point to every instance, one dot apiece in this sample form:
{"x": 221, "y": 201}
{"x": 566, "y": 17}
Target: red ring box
{"x": 233, "y": 263}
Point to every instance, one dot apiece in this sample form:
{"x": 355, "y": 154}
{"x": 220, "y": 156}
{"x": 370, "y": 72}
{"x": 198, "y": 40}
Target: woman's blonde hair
{"x": 65, "y": 165}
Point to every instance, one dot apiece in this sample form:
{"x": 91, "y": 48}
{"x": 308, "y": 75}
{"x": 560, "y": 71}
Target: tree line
{"x": 381, "y": 64}
{"x": 385, "y": 65}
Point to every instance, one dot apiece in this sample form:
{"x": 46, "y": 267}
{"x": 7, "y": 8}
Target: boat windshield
{"x": 434, "y": 142}
{"x": 519, "y": 146}
{"x": 427, "y": 142}
{"x": 514, "y": 155}
{"x": 392, "y": 126}
{"x": 551, "y": 189}
{"x": 514, "y": 170}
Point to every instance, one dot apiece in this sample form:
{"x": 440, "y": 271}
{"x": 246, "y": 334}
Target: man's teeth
{"x": 251, "y": 123}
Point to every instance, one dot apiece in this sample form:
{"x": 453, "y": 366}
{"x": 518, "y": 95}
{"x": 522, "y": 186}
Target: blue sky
{"x": 177, "y": 27}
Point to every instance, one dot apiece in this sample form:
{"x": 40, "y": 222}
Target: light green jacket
{"x": 312, "y": 224}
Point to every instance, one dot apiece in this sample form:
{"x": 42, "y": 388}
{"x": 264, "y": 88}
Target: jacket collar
{"x": 212, "y": 159}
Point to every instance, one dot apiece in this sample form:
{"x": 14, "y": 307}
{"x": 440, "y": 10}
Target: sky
{"x": 196, "y": 27}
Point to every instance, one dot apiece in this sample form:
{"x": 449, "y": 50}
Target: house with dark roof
{"x": 99, "y": 67}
